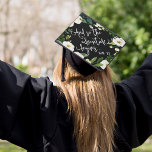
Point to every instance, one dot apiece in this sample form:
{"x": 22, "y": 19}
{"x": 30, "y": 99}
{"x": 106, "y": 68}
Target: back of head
{"x": 92, "y": 104}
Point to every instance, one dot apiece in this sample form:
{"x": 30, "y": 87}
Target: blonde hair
{"x": 92, "y": 104}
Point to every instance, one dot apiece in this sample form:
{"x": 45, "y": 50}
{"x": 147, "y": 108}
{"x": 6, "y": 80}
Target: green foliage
{"x": 8, "y": 147}
{"x": 99, "y": 60}
{"x": 131, "y": 20}
{"x": 93, "y": 60}
{"x": 23, "y": 68}
{"x": 61, "y": 38}
{"x": 84, "y": 54}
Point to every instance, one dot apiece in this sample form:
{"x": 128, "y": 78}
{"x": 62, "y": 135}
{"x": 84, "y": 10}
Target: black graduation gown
{"x": 33, "y": 115}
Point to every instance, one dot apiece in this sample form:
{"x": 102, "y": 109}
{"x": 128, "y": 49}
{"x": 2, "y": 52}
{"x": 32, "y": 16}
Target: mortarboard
{"x": 88, "y": 46}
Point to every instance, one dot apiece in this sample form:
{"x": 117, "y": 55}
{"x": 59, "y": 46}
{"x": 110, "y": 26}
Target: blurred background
{"x": 28, "y": 30}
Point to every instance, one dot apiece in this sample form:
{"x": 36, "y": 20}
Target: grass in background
{"x": 8, "y": 147}
{"x": 147, "y": 147}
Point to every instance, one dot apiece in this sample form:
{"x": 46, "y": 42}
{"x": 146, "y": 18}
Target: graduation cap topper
{"x": 91, "y": 42}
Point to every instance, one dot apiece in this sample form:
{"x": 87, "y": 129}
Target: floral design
{"x": 79, "y": 54}
{"x": 71, "y": 24}
{"x": 100, "y": 27}
{"x": 91, "y": 26}
{"x": 109, "y": 58}
{"x": 111, "y": 46}
{"x": 104, "y": 64}
{"x": 88, "y": 60}
{"x": 69, "y": 45}
{"x": 71, "y": 39}
{"x": 115, "y": 53}
{"x": 78, "y": 20}
{"x": 119, "y": 41}
{"x": 117, "y": 49}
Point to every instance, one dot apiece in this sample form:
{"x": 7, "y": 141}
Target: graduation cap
{"x": 88, "y": 46}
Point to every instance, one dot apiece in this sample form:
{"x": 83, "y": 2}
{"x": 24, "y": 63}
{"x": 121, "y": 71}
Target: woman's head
{"x": 91, "y": 102}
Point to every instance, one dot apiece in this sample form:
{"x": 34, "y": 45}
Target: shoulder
{"x": 122, "y": 92}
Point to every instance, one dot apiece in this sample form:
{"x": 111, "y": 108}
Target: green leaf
{"x": 99, "y": 60}
{"x": 61, "y": 39}
{"x": 89, "y": 20}
{"x": 66, "y": 31}
{"x": 84, "y": 54}
{"x": 109, "y": 58}
{"x": 70, "y": 30}
{"x": 62, "y": 36}
{"x": 67, "y": 37}
{"x": 82, "y": 15}
{"x": 112, "y": 43}
{"x": 98, "y": 64}
{"x": 93, "y": 60}
{"x": 84, "y": 21}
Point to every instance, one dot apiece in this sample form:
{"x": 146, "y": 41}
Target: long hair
{"x": 91, "y": 102}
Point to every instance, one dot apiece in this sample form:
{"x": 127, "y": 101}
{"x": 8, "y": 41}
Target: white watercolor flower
{"x": 79, "y": 54}
{"x": 71, "y": 24}
{"x": 104, "y": 64}
{"x": 78, "y": 20}
{"x": 111, "y": 46}
{"x": 117, "y": 49}
{"x": 69, "y": 45}
{"x": 119, "y": 41}
{"x": 100, "y": 27}
{"x": 88, "y": 60}
{"x": 91, "y": 26}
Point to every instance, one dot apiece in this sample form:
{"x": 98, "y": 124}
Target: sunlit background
{"x": 28, "y": 29}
